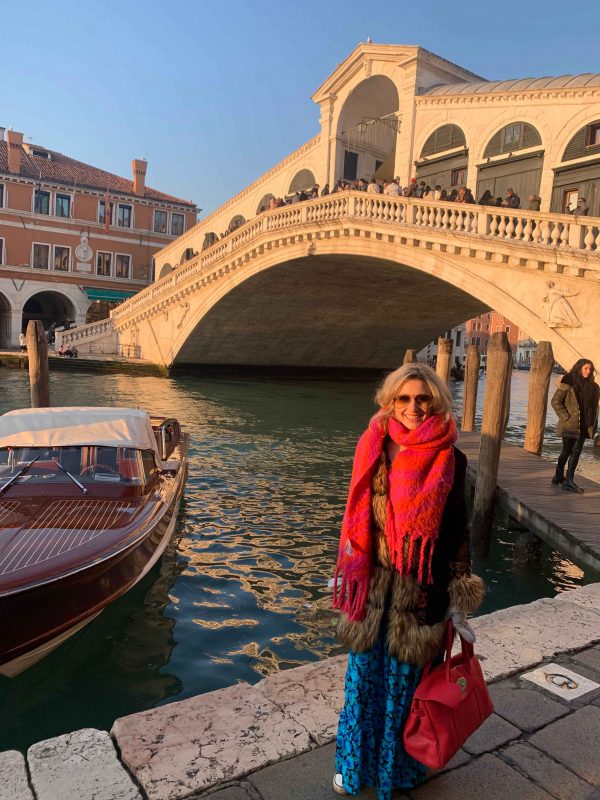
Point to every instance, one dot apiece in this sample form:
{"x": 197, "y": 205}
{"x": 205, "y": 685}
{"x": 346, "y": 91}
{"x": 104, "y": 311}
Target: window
{"x": 177, "y": 223}
{"x": 472, "y": 340}
{"x": 1, "y": 251}
{"x": 593, "y": 135}
{"x": 458, "y": 338}
{"x": 512, "y": 135}
{"x": 377, "y": 164}
{"x": 149, "y": 462}
{"x": 124, "y": 216}
{"x": 478, "y": 341}
{"x": 571, "y": 198}
{"x": 62, "y": 205}
{"x": 507, "y": 329}
{"x": 102, "y": 212}
{"x": 458, "y": 177}
{"x": 160, "y": 221}
{"x": 103, "y": 263}
{"x": 61, "y": 258}
{"x": 122, "y": 265}
{"x": 41, "y": 202}
{"x": 1, "y": 195}
{"x": 350, "y": 165}
{"x": 41, "y": 256}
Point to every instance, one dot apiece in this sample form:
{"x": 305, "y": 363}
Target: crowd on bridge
{"x": 394, "y": 188}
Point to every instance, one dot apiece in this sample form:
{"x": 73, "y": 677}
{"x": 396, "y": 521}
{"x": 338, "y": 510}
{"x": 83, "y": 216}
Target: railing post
{"x": 539, "y": 381}
{"x": 443, "y": 362}
{"x": 472, "y": 365}
{"x": 495, "y": 404}
{"x": 576, "y": 235}
{"x": 483, "y": 223}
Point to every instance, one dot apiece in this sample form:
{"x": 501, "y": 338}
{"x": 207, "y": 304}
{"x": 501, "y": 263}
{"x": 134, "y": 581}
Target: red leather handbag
{"x": 449, "y": 704}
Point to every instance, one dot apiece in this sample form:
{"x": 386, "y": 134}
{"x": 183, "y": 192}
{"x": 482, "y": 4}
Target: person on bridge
{"x": 404, "y": 566}
{"x": 575, "y": 402}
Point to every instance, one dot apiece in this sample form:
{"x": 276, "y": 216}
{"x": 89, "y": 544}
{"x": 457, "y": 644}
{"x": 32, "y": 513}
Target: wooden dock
{"x": 568, "y": 522}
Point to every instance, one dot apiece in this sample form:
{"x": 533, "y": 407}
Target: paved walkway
{"x": 534, "y": 747}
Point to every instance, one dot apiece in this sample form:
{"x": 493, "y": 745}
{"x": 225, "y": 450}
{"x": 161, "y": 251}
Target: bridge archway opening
{"x": 236, "y": 222}
{"x": 579, "y": 180}
{"x": 337, "y": 311}
{"x": 520, "y": 172}
{"x": 264, "y": 203}
{"x": 49, "y": 307}
{"x": 164, "y": 270}
{"x": 5, "y": 317}
{"x": 187, "y": 254}
{"x": 439, "y": 161}
{"x": 368, "y": 126}
{"x": 209, "y": 239}
{"x": 303, "y": 181}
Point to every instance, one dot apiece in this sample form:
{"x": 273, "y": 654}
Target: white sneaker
{"x": 337, "y": 784}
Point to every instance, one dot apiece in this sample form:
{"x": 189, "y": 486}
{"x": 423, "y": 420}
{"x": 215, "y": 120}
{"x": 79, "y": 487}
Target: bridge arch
{"x": 263, "y": 204}
{"x": 366, "y": 130}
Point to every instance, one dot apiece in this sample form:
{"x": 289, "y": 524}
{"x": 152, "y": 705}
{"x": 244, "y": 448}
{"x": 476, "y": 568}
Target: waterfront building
{"x": 479, "y": 329}
{"x": 525, "y": 350}
{"x": 75, "y": 239}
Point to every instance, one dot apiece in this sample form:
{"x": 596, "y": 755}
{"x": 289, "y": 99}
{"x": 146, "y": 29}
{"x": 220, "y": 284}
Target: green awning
{"x": 112, "y": 295}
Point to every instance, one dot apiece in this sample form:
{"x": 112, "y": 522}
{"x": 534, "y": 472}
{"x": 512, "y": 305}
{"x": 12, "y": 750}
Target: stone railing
{"x": 85, "y": 333}
{"x": 559, "y": 232}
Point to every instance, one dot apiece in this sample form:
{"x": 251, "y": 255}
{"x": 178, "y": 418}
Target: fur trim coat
{"x": 414, "y": 614}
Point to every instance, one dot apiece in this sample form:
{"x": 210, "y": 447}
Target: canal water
{"x": 242, "y": 592}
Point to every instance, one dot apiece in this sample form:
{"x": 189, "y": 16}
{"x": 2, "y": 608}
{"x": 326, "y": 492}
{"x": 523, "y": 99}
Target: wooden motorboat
{"x": 88, "y": 503}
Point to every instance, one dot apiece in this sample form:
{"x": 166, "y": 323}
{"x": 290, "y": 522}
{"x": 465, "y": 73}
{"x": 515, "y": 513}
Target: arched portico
{"x": 5, "y": 321}
{"x": 50, "y": 307}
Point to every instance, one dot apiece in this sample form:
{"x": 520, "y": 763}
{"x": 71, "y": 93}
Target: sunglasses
{"x": 422, "y": 400}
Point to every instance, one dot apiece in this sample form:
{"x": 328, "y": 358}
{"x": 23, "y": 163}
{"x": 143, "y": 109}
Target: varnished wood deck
{"x": 569, "y": 522}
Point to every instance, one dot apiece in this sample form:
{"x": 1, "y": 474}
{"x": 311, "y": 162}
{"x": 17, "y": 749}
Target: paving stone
{"x": 573, "y": 741}
{"x": 494, "y": 732}
{"x": 550, "y": 775}
{"x": 77, "y": 766}
{"x": 313, "y": 695}
{"x": 485, "y": 778}
{"x": 586, "y": 596}
{"x": 219, "y": 737}
{"x": 457, "y": 761}
{"x": 515, "y": 638}
{"x": 14, "y": 783}
{"x": 525, "y": 708}
{"x": 306, "y": 777}
{"x": 237, "y": 792}
{"x": 589, "y": 658}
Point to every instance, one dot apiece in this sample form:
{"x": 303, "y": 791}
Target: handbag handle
{"x": 466, "y": 647}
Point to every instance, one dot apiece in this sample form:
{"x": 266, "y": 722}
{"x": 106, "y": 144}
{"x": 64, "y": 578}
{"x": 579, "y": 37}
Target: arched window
{"x": 187, "y": 254}
{"x": 264, "y": 203}
{"x": 513, "y": 137}
{"x": 586, "y": 142}
{"x": 445, "y": 138}
{"x": 236, "y": 222}
{"x": 301, "y": 181}
{"x": 209, "y": 238}
{"x": 164, "y": 270}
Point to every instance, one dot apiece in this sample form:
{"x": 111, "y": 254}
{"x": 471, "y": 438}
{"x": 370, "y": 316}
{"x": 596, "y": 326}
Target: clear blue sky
{"x": 215, "y": 93}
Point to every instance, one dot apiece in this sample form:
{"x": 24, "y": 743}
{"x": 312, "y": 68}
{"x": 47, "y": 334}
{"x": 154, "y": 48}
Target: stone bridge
{"x": 352, "y": 279}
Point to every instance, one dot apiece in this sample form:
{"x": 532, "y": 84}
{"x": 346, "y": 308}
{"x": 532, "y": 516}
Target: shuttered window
{"x": 586, "y": 142}
{"x": 513, "y": 137}
{"x": 445, "y": 138}
{"x": 302, "y": 180}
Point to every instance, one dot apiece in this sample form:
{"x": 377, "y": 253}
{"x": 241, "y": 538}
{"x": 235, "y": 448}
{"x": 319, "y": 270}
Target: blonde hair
{"x": 392, "y": 383}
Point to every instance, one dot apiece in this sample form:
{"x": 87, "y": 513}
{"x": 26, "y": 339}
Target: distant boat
{"x": 525, "y": 366}
{"x": 88, "y": 502}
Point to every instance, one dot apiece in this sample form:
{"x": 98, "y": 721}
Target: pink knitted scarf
{"x": 419, "y": 482}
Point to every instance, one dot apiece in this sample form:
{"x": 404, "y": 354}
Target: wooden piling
{"x": 410, "y": 357}
{"x": 37, "y": 354}
{"x": 443, "y": 363}
{"x": 497, "y": 387}
{"x": 471, "y": 383}
{"x": 539, "y": 381}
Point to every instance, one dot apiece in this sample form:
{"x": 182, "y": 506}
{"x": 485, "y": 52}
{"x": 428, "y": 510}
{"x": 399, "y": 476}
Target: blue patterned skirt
{"x": 369, "y": 750}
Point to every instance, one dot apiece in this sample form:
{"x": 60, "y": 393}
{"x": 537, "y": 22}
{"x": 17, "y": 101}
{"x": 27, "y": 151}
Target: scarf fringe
{"x": 350, "y": 596}
{"x": 419, "y": 558}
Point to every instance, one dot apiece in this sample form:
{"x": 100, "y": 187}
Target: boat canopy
{"x": 78, "y": 426}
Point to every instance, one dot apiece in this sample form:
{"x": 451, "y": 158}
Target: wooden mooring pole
{"x": 443, "y": 363}
{"x": 37, "y": 354}
{"x": 471, "y": 383}
{"x": 497, "y": 392}
{"x": 539, "y": 381}
{"x": 410, "y": 357}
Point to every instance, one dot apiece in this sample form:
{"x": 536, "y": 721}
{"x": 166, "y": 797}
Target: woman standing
{"x": 575, "y": 402}
{"x": 403, "y": 568}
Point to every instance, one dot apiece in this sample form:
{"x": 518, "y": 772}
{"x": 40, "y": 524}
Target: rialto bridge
{"x": 352, "y": 280}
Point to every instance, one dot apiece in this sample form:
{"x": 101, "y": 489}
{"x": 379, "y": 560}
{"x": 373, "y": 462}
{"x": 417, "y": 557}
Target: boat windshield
{"x": 87, "y": 464}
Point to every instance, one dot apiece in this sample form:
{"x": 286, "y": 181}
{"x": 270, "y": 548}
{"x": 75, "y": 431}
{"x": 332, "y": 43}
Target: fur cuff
{"x": 466, "y": 593}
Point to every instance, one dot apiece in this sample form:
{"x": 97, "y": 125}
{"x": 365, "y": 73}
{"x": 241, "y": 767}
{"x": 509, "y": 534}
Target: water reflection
{"x": 246, "y": 592}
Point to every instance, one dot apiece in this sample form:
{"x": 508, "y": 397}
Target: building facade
{"x": 75, "y": 239}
